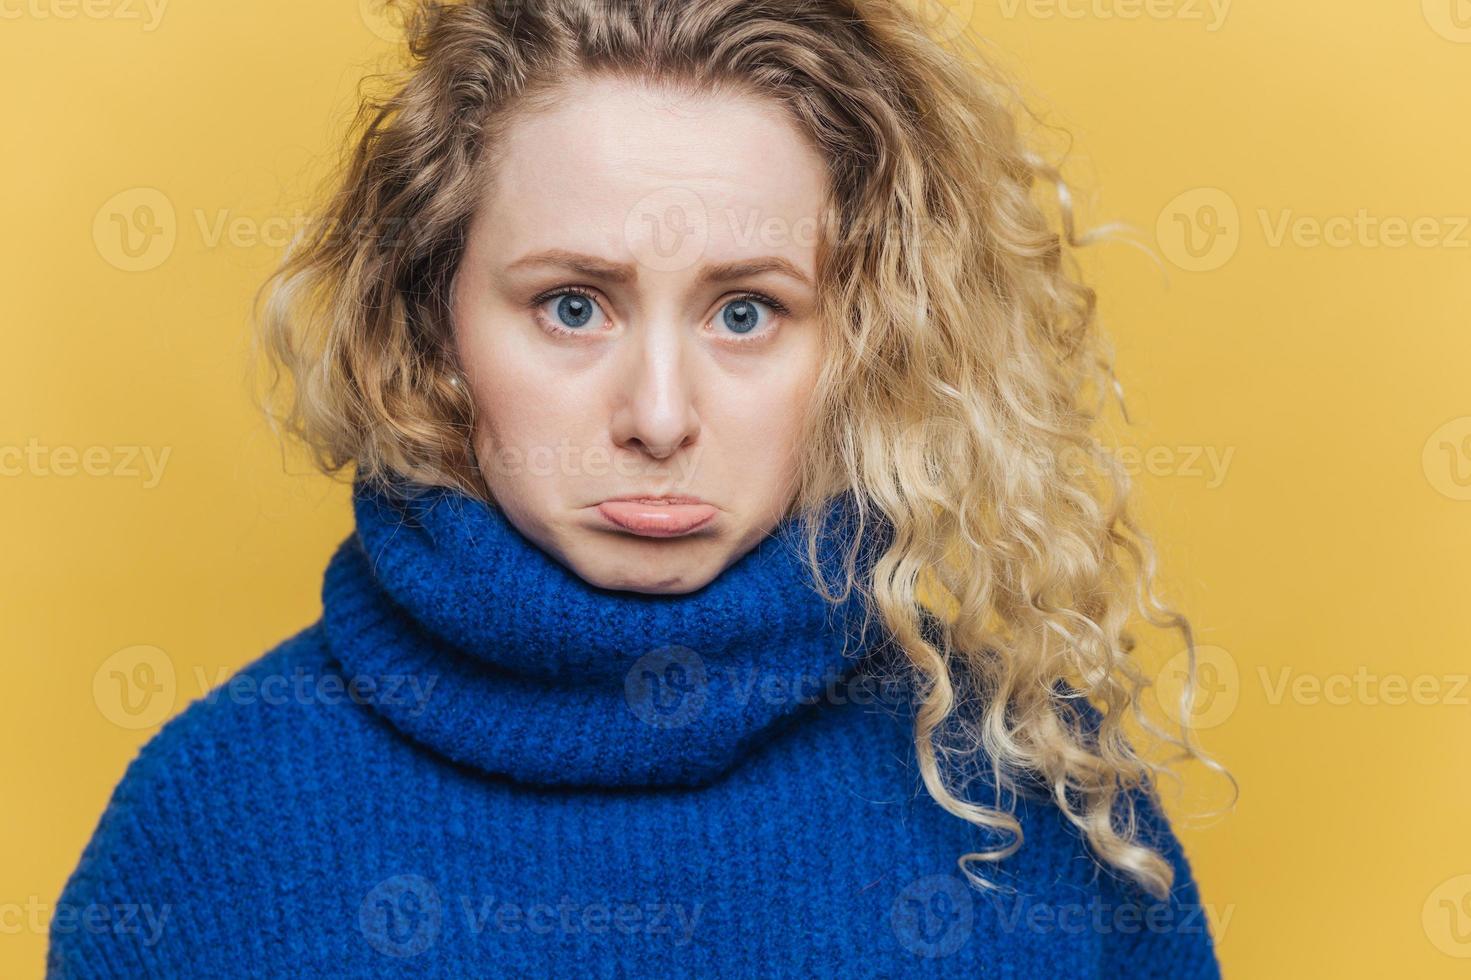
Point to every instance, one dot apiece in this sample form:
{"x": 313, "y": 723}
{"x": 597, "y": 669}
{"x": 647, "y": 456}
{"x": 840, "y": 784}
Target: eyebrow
{"x": 597, "y": 268}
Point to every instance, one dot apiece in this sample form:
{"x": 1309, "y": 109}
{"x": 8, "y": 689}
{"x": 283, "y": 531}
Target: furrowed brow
{"x": 593, "y": 267}
{"x": 583, "y": 265}
{"x": 727, "y": 271}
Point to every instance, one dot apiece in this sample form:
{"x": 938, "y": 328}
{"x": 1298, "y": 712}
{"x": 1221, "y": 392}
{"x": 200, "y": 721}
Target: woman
{"x": 736, "y": 586}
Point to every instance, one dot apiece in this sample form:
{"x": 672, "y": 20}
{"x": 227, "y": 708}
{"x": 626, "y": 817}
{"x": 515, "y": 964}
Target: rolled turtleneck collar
{"x": 503, "y": 659}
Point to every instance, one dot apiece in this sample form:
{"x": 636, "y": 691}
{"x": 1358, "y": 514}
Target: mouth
{"x": 657, "y": 517}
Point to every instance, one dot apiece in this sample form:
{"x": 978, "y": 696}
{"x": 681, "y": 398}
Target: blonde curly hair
{"x": 964, "y": 380}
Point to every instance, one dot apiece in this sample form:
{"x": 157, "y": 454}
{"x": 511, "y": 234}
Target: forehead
{"x": 620, "y": 169}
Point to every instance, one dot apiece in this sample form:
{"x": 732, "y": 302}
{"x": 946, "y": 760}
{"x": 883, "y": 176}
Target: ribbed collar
{"x": 501, "y": 658}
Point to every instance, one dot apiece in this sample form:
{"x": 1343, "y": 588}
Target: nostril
{"x": 656, "y": 450}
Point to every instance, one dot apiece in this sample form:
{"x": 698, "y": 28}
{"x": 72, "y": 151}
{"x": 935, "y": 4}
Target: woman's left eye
{"x": 744, "y": 316}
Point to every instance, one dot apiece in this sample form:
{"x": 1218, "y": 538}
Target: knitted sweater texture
{"x": 476, "y": 764}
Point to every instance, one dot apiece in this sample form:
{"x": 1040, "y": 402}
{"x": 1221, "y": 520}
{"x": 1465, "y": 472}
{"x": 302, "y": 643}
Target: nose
{"x": 655, "y": 414}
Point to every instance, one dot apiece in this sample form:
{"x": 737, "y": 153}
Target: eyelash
{"x": 776, "y": 305}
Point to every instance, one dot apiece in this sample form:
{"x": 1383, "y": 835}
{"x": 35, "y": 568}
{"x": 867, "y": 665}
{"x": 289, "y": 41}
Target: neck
{"x": 506, "y": 661}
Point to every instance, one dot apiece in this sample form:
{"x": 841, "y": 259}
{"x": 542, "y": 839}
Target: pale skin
{"x": 604, "y": 359}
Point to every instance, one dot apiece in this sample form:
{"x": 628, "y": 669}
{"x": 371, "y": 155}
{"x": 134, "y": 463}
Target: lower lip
{"x": 656, "y": 520}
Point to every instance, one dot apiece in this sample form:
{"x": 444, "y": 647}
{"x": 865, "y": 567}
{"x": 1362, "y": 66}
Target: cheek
{"x": 510, "y": 388}
{"x": 761, "y": 416}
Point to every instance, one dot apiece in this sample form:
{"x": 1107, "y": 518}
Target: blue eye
{"x": 574, "y": 310}
{"x": 741, "y": 315}
{"x": 570, "y": 311}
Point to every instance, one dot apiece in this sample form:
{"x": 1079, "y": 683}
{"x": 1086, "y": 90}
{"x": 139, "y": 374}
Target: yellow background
{"x": 1331, "y": 540}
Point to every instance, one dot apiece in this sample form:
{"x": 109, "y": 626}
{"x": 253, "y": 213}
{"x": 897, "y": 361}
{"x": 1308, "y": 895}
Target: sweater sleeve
{"x": 1147, "y": 937}
{"x": 119, "y": 914}
{"x": 170, "y": 872}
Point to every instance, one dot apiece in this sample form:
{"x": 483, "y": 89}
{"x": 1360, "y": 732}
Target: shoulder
{"x": 194, "y": 809}
{"x": 287, "y": 693}
{"x": 1141, "y": 934}
{"x": 1054, "y": 886}
{"x": 1147, "y": 936}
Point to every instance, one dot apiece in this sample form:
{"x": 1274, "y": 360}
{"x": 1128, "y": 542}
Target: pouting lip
{"x": 657, "y": 499}
{"x": 660, "y": 532}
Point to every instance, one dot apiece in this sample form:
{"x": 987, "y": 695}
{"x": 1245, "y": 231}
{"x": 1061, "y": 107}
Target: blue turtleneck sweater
{"x": 477, "y": 764}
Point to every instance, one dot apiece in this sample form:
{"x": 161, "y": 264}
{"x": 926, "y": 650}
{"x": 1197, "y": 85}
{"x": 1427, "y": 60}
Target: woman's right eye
{"x": 571, "y": 312}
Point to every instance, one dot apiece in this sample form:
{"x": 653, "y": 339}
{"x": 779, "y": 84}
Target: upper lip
{"x": 657, "y": 498}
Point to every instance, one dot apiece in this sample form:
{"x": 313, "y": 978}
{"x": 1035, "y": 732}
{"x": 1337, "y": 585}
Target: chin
{"x": 658, "y": 566}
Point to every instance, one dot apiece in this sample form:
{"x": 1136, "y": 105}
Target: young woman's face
{"x": 635, "y": 316}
